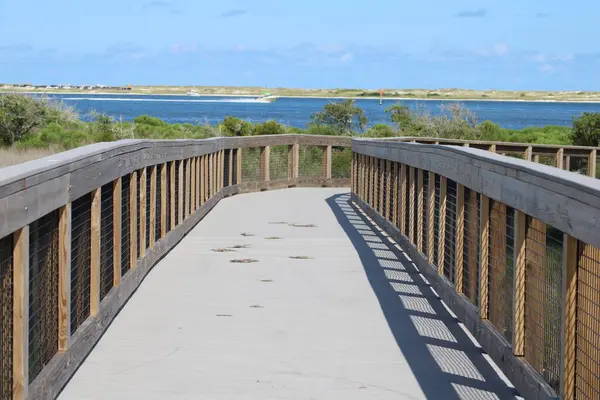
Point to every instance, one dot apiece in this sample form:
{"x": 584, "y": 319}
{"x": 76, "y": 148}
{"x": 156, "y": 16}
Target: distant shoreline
{"x": 324, "y": 97}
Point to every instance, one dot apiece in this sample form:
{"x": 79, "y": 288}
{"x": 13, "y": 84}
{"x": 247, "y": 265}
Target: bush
{"x": 233, "y": 126}
{"x": 586, "y": 130}
{"x": 380, "y": 131}
{"x": 268, "y": 128}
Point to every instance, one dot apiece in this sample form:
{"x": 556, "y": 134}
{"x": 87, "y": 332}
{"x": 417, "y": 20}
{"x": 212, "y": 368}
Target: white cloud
{"x": 545, "y": 58}
{"x": 546, "y": 68}
{"x": 346, "y": 58}
{"x": 501, "y": 49}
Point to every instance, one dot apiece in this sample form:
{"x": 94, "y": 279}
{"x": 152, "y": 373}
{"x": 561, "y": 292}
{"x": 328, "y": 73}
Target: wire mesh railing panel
{"x": 251, "y": 164}
{"x": 125, "y": 225}
{"x": 278, "y": 162}
{"x": 436, "y": 218}
{"x": 543, "y": 293}
{"x": 587, "y": 352}
{"x": 310, "y": 164}
{"x": 471, "y": 247}
{"x": 148, "y": 205}
{"x": 6, "y": 318}
{"x": 500, "y": 267}
{"x": 158, "y": 206}
{"x": 425, "y": 215}
{"x": 43, "y": 292}
{"x": 384, "y": 186}
{"x": 138, "y": 216}
{"x": 341, "y": 160}
{"x": 578, "y": 165}
{"x": 81, "y": 229}
{"x": 226, "y": 167}
{"x": 106, "y": 240}
{"x": 449, "y": 266}
{"x": 406, "y": 204}
{"x": 415, "y": 201}
{"x": 177, "y": 183}
{"x": 168, "y": 197}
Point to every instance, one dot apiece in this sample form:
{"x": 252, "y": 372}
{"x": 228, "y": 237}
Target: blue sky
{"x": 509, "y": 44}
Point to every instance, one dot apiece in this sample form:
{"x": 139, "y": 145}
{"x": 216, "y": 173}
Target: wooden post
{"x": 20, "y": 344}
{"x": 133, "y": 205}
{"x": 143, "y": 200}
{"x": 395, "y": 193}
{"x": 95, "y": 252}
{"x": 211, "y": 172}
{"x": 199, "y": 180}
{"x": 403, "y": 208}
{"x": 192, "y": 185}
{"x": 559, "y": 158}
{"x": 569, "y": 329}
{"x": 430, "y": 218}
{"x": 420, "y": 210}
{"x": 153, "y": 194}
{"x": 64, "y": 278}
{"x": 265, "y": 153}
{"x": 238, "y": 166}
{"x": 202, "y": 180}
{"x": 381, "y": 178}
{"x": 568, "y": 163}
{"x": 117, "y": 226}
{"x": 460, "y": 237}
{"x": 412, "y": 206}
{"x": 172, "y": 194}
{"x": 520, "y": 254}
{"x": 222, "y": 169}
{"x": 163, "y": 200}
{"x": 187, "y": 193}
{"x": 181, "y": 194}
{"x": 363, "y": 179}
{"x": 442, "y": 224}
{"x": 206, "y": 177}
{"x": 492, "y": 148}
{"x": 327, "y": 154}
{"x": 473, "y": 234}
{"x": 536, "y": 158}
{"x": 483, "y": 257}
{"x": 592, "y": 163}
{"x": 388, "y": 185}
{"x": 528, "y": 153}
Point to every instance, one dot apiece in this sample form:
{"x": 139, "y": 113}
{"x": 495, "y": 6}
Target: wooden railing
{"x": 511, "y": 246}
{"x": 80, "y": 230}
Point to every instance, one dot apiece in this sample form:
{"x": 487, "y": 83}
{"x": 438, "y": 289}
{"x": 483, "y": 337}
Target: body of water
{"x": 297, "y": 111}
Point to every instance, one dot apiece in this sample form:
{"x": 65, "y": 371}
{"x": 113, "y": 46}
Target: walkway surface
{"x": 350, "y": 319}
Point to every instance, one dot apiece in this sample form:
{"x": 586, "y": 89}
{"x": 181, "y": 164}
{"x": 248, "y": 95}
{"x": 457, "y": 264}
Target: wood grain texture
{"x": 163, "y": 201}
{"x": 64, "y": 277}
{"x": 142, "y": 211}
{"x": 117, "y": 222}
{"x": 95, "y": 252}
{"x": 20, "y": 344}
{"x": 133, "y": 216}
{"x": 153, "y": 194}
{"x": 459, "y": 238}
{"x": 520, "y": 233}
{"x": 569, "y": 347}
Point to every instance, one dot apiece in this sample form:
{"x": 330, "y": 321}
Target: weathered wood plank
{"x": 20, "y": 314}
{"x": 95, "y": 252}
{"x": 64, "y": 277}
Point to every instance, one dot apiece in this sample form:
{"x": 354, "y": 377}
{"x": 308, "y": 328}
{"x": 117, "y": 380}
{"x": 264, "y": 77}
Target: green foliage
{"x": 380, "y": 131}
{"x": 344, "y": 117}
{"x": 586, "y": 130}
{"x": 400, "y": 115}
{"x": 268, "y": 128}
{"x": 233, "y": 126}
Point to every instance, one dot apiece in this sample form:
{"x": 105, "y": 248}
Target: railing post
{"x": 265, "y": 153}
{"x": 230, "y": 167}
{"x": 95, "y": 252}
{"x": 188, "y": 183}
{"x": 64, "y": 277}
{"x": 536, "y": 158}
{"x": 459, "y": 237}
{"x": 153, "y": 194}
{"x": 202, "y": 180}
{"x": 172, "y": 195}
{"x": 402, "y": 196}
{"x": 569, "y": 317}
{"x": 420, "y": 210}
{"x": 411, "y": 206}
{"x": 142, "y": 213}
{"x": 238, "y": 166}
{"x": 483, "y": 256}
{"x": 430, "y": 218}
{"x": 520, "y": 235}
{"x": 559, "y": 158}
{"x": 327, "y": 162}
{"x": 528, "y": 153}
{"x": 199, "y": 180}
{"x": 133, "y": 205}
{"x": 20, "y": 321}
{"x": 395, "y": 192}
{"x": 567, "y": 163}
{"x": 163, "y": 200}
{"x": 192, "y": 185}
{"x": 442, "y": 224}
{"x": 492, "y": 148}
{"x": 381, "y": 178}
{"x": 388, "y": 185}
{"x": 180, "y": 192}
{"x": 117, "y": 226}
{"x": 592, "y": 163}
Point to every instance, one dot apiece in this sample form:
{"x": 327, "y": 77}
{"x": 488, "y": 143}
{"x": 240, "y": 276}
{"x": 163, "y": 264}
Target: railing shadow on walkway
{"x": 444, "y": 358}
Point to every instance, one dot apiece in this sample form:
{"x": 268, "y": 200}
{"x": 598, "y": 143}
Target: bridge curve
{"x": 350, "y": 317}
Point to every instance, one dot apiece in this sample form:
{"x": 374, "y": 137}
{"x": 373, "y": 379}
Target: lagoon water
{"x": 297, "y": 111}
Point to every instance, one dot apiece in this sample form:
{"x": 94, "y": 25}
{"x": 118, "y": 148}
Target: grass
{"x": 11, "y": 156}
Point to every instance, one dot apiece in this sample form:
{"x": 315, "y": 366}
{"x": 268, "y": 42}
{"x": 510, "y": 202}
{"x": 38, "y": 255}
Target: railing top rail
{"x": 565, "y": 200}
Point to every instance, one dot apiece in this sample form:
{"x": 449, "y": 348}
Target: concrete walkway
{"x": 350, "y": 319}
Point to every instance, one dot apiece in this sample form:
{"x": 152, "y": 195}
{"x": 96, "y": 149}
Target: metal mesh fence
{"x": 43, "y": 292}
{"x": 125, "y": 225}
{"x": 138, "y": 217}
{"x": 579, "y": 165}
{"x": 384, "y": 186}
{"x": 278, "y": 167}
{"x": 6, "y": 317}
{"x": 501, "y": 266}
{"x": 81, "y": 227}
{"x": 436, "y": 219}
{"x": 106, "y": 240}
{"x": 471, "y": 246}
{"x": 415, "y": 205}
{"x": 341, "y": 161}
{"x": 148, "y": 205}
{"x": 310, "y": 161}
{"x": 251, "y": 164}
{"x": 177, "y": 183}
{"x": 587, "y": 351}
{"x": 406, "y": 205}
{"x": 449, "y": 266}
{"x": 234, "y": 170}
{"x": 226, "y": 168}
{"x": 158, "y": 207}
{"x": 425, "y": 216}
{"x": 543, "y": 293}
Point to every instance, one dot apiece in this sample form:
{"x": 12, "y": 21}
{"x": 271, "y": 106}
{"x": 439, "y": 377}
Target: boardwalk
{"x": 350, "y": 319}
